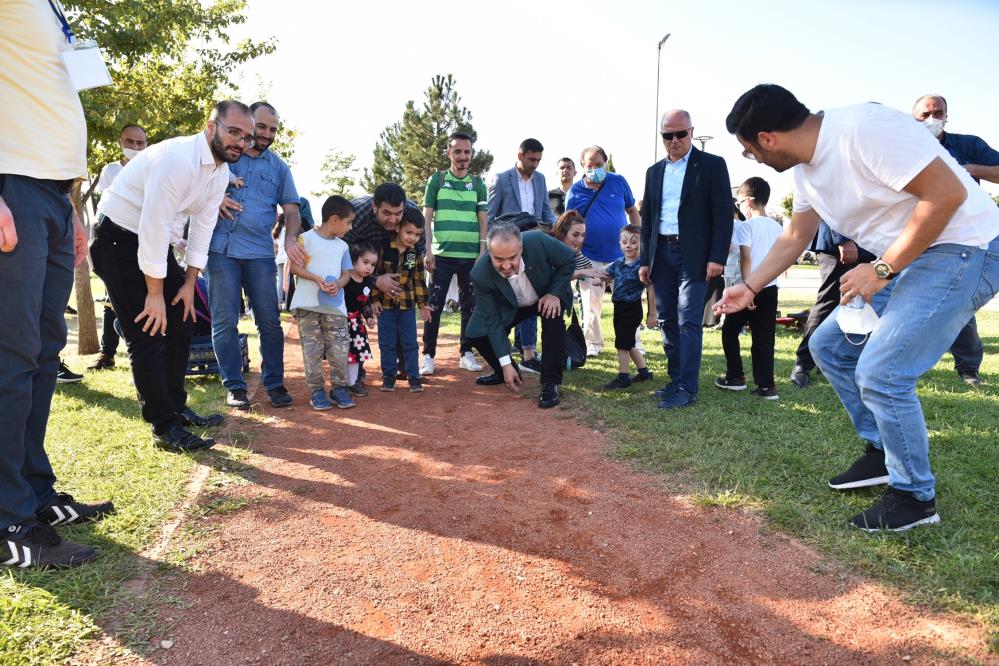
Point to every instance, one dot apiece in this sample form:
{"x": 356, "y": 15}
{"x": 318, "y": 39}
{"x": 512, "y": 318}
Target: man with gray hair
{"x": 521, "y": 276}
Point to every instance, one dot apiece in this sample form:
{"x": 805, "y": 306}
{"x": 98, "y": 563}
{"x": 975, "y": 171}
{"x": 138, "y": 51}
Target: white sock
{"x": 352, "y": 371}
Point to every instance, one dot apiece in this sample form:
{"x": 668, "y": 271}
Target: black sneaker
{"x": 666, "y": 391}
{"x": 642, "y": 377}
{"x": 65, "y": 510}
{"x": 67, "y": 376}
{"x": 278, "y": 396}
{"x": 401, "y": 375}
{"x": 971, "y": 378}
{"x": 103, "y": 362}
{"x": 32, "y": 544}
{"x": 415, "y": 385}
{"x": 237, "y": 398}
{"x": 896, "y": 511}
{"x": 868, "y": 470}
{"x": 388, "y": 384}
{"x": 358, "y": 389}
{"x": 767, "y": 392}
{"x": 189, "y": 418}
{"x": 532, "y": 365}
{"x": 734, "y": 384}
{"x": 618, "y": 382}
{"x": 549, "y": 396}
{"x": 179, "y": 440}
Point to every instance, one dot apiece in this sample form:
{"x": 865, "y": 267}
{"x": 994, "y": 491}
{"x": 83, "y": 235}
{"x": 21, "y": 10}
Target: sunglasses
{"x": 682, "y": 134}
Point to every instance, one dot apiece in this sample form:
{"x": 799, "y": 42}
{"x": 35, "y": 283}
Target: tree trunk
{"x": 86, "y": 318}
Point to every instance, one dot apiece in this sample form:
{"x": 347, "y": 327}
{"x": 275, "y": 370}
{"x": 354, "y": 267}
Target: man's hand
{"x": 227, "y": 207}
{"x": 8, "y": 233}
{"x": 860, "y": 281}
{"x": 594, "y": 273}
{"x": 155, "y": 315}
{"x": 80, "y": 240}
{"x": 388, "y": 283}
{"x": 428, "y": 261}
{"x": 550, "y": 306}
{"x": 848, "y": 252}
{"x": 426, "y": 314}
{"x": 295, "y": 252}
{"x": 735, "y": 298}
{"x": 714, "y": 270}
{"x": 186, "y": 295}
{"x": 511, "y": 377}
{"x": 645, "y": 275}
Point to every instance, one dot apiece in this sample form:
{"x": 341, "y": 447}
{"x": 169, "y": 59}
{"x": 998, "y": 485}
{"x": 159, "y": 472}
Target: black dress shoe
{"x": 549, "y": 396}
{"x": 179, "y": 440}
{"x": 799, "y": 377}
{"x": 490, "y": 380}
{"x": 191, "y": 418}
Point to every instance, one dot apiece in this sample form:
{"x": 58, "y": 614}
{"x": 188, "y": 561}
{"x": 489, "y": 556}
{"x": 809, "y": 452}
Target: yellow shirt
{"x": 44, "y": 131}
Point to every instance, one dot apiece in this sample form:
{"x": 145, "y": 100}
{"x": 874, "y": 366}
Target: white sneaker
{"x": 469, "y": 363}
{"x": 428, "y": 365}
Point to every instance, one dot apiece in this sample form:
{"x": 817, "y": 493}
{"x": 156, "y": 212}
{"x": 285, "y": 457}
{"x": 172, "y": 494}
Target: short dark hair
{"x": 257, "y": 105}
{"x": 756, "y": 189}
{"x": 389, "y": 193}
{"x": 765, "y": 108}
{"x": 631, "y": 229}
{"x": 412, "y": 216}
{"x": 593, "y": 149}
{"x": 459, "y": 136}
{"x": 130, "y": 126}
{"x": 337, "y": 205}
{"x": 360, "y": 249}
{"x": 222, "y": 109}
{"x": 566, "y": 221}
{"x": 566, "y": 159}
{"x": 531, "y": 146}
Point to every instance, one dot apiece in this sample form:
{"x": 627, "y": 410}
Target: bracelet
{"x": 755, "y": 293}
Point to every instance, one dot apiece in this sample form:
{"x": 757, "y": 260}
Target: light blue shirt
{"x": 669, "y": 222}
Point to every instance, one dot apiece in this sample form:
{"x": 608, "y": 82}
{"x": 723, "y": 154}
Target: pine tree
{"x": 412, "y": 149}
{"x": 610, "y": 164}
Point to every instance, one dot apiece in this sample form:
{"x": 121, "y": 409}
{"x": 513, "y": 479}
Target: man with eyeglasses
{"x": 982, "y": 163}
{"x": 241, "y": 258}
{"x": 686, "y": 231}
{"x": 140, "y": 216}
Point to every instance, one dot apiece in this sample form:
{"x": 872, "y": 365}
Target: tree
{"x": 787, "y": 205}
{"x": 339, "y": 174}
{"x": 170, "y": 61}
{"x": 610, "y": 164}
{"x": 410, "y": 150}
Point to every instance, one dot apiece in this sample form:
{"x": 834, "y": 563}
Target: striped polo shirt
{"x": 456, "y": 203}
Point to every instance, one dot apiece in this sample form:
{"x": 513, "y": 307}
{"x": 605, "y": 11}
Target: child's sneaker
{"x": 319, "y": 401}
{"x": 388, "y": 384}
{"x": 358, "y": 389}
{"x": 619, "y": 382}
{"x": 415, "y": 385}
{"x": 342, "y": 398}
{"x": 734, "y": 384}
{"x": 643, "y": 375}
{"x": 767, "y": 392}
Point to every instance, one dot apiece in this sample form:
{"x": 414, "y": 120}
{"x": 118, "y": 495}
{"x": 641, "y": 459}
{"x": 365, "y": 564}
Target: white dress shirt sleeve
{"x": 199, "y": 233}
{"x": 168, "y": 177}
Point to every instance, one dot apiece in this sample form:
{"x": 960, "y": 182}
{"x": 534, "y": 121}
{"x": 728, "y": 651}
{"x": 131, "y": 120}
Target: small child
{"x": 360, "y": 311}
{"x": 397, "y": 320}
{"x": 627, "y": 299}
{"x": 754, "y": 237}
{"x": 319, "y": 303}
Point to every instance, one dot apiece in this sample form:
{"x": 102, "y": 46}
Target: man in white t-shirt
{"x": 877, "y": 176}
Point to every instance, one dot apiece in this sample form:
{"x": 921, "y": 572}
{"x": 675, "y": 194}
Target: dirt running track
{"x": 466, "y": 526}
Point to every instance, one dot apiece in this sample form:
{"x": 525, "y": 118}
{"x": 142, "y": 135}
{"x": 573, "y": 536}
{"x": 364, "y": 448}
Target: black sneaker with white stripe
{"x": 868, "y": 470}
{"x": 65, "y": 510}
{"x": 32, "y": 544}
{"x": 896, "y": 511}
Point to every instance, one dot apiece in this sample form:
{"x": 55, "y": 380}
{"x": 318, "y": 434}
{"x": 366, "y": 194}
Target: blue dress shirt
{"x": 669, "y": 222}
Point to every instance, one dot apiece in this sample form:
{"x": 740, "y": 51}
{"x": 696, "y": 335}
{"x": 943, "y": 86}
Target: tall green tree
{"x": 410, "y": 150}
{"x": 339, "y": 175}
{"x": 610, "y": 164}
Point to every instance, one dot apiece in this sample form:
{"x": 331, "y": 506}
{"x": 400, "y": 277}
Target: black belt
{"x": 670, "y": 239}
{"x": 104, "y": 219}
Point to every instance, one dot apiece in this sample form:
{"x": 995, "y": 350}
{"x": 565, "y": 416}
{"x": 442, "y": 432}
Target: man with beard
{"x": 242, "y": 258}
{"x": 139, "y": 217}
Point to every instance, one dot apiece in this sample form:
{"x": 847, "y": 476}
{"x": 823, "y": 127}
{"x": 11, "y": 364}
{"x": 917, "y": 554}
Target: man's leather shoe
{"x": 191, "y": 418}
{"x": 237, "y": 398}
{"x": 490, "y": 380}
{"x": 800, "y": 377}
{"x": 549, "y": 396}
{"x": 179, "y": 440}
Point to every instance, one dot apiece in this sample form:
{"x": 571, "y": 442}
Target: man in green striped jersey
{"x": 454, "y": 206}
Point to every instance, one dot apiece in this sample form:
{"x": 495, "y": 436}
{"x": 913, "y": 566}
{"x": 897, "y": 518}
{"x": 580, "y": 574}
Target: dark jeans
{"x": 159, "y": 362}
{"x": 397, "y": 331}
{"x": 826, "y": 300}
{"x": 968, "y": 350}
{"x": 440, "y": 282}
{"x": 680, "y": 306}
{"x": 35, "y": 281}
{"x": 552, "y": 339}
{"x": 763, "y": 324}
{"x": 109, "y": 336}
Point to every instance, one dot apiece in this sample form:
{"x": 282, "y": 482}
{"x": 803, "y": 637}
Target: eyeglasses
{"x": 750, "y": 156}
{"x": 682, "y": 134}
{"x": 236, "y": 135}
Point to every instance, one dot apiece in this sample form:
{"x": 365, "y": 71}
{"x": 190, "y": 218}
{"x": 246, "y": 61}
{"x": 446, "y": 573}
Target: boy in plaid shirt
{"x": 397, "y": 321}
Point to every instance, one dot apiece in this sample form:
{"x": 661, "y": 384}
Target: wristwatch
{"x": 883, "y": 270}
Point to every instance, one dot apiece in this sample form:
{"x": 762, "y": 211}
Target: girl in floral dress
{"x": 360, "y": 313}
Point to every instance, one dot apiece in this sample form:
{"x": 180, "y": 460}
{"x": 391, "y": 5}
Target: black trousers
{"x": 967, "y": 349}
{"x": 159, "y": 362}
{"x": 826, "y": 300}
{"x": 440, "y": 281}
{"x": 109, "y": 336}
{"x": 552, "y": 340}
{"x": 763, "y": 321}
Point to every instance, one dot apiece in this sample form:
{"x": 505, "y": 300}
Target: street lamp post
{"x": 659, "y": 51}
{"x": 704, "y": 138}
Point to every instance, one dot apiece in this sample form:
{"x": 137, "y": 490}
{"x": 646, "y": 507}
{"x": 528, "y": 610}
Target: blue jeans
{"x": 525, "y": 334}
{"x": 922, "y": 310}
{"x": 680, "y": 306}
{"x": 36, "y": 279}
{"x": 397, "y": 327}
{"x": 226, "y": 277}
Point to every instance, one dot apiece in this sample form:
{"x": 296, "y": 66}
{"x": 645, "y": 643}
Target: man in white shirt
{"x": 139, "y": 217}
{"x": 876, "y": 176}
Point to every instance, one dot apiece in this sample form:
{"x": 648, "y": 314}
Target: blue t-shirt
{"x": 970, "y": 149}
{"x": 605, "y": 218}
{"x": 627, "y": 286}
{"x": 267, "y": 183}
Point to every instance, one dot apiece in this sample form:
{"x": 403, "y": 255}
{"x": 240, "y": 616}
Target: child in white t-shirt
{"x": 319, "y": 303}
{"x": 754, "y": 237}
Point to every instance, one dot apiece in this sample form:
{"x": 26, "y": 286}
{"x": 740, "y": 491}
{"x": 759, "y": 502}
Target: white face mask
{"x": 129, "y": 153}
{"x": 856, "y": 318}
{"x": 934, "y": 125}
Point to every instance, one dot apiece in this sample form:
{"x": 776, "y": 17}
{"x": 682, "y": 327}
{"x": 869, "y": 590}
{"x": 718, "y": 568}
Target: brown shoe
{"x": 103, "y": 362}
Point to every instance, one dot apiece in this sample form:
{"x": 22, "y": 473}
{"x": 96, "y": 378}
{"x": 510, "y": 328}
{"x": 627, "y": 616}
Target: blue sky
{"x": 573, "y": 74}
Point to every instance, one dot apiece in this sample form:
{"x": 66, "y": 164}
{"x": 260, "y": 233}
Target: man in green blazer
{"x": 521, "y": 276}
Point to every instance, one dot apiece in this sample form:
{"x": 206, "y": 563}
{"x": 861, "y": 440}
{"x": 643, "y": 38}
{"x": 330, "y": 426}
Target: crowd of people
{"x": 912, "y": 238}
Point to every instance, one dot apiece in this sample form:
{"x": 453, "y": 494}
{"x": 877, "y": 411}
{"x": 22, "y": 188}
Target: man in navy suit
{"x": 686, "y": 230}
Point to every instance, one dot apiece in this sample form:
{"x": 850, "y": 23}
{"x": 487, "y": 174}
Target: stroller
{"x": 202, "y": 360}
